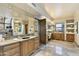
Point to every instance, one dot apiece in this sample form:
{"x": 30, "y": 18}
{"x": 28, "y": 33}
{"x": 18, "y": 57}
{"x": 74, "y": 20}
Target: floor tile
{"x": 58, "y": 48}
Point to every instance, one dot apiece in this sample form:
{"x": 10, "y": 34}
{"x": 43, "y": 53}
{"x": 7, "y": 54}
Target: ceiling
{"x": 28, "y": 9}
{"x": 59, "y": 10}
{"x": 50, "y": 10}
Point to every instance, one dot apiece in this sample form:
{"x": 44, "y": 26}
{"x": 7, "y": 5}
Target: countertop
{"x": 14, "y": 40}
{"x": 58, "y": 32}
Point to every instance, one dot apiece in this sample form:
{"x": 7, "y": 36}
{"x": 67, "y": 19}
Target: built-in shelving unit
{"x": 70, "y": 30}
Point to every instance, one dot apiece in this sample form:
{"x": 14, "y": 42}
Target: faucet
{"x": 5, "y": 35}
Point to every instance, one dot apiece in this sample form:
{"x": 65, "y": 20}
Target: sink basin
{"x": 25, "y": 37}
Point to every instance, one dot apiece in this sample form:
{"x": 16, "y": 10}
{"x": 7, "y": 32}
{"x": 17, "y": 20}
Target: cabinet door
{"x": 1, "y": 51}
{"x": 37, "y": 43}
{"x": 24, "y": 48}
{"x": 31, "y": 46}
{"x": 70, "y": 37}
{"x": 57, "y": 36}
{"x": 61, "y": 36}
{"x": 54, "y": 36}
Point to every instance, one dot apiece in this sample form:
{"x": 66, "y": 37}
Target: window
{"x": 59, "y": 27}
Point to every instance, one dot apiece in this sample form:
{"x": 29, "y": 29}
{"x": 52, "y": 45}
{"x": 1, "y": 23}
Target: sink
{"x": 25, "y": 37}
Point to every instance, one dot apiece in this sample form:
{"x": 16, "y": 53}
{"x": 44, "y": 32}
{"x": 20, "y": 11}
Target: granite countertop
{"x": 14, "y": 40}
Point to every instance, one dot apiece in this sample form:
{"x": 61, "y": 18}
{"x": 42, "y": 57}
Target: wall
{"x": 49, "y": 23}
{"x": 9, "y": 10}
{"x": 15, "y": 31}
{"x": 76, "y": 18}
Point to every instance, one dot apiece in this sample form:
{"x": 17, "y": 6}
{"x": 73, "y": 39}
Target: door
{"x": 26, "y": 28}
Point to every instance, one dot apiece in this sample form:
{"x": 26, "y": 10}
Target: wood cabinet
{"x": 57, "y": 36}
{"x": 37, "y": 43}
{"x": 70, "y": 37}
{"x": 10, "y": 50}
{"x": 24, "y": 48}
{"x": 70, "y": 30}
{"x": 1, "y": 51}
{"x": 31, "y": 45}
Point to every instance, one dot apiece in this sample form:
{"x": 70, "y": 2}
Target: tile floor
{"x": 58, "y": 48}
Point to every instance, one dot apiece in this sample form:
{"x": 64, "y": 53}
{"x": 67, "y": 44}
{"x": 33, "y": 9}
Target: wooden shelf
{"x": 69, "y": 23}
{"x": 70, "y": 28}
{"x": 69, "y": 33}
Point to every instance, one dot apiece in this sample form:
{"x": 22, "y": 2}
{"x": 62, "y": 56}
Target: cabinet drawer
{"x": 12, "y": 52}
{"x": 11, "y": 46}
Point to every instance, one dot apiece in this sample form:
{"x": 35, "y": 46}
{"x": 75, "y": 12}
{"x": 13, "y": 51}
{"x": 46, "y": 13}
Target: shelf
{"x": 69, "y": 33}
{"x": 70, "y": 28}
{"x": 69, "y": 23}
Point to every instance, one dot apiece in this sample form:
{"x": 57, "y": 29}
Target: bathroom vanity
{"x": 19, "y": 47}
{"x": 58, "y": 36}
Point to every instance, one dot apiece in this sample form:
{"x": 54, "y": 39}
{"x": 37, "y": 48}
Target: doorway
{"x": 26, "y": 28}
{"x": 42, "y": 31}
